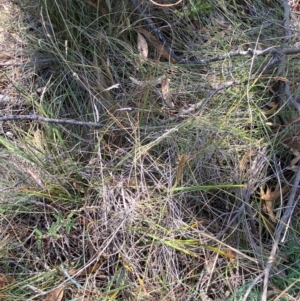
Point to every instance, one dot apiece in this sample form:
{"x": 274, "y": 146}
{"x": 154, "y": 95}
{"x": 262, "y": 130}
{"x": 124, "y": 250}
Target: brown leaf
{"x": 6, "y": 280}
{"x": 270, "y": 196}
{"x": 273, "y": 195}
{"x": 182, "y": 160}
{"x": 55, "y": 295}
{"x": 273, "y": 108}
{"x": 246, "y": 158}
{"x": 142, "y": 46}
{"x": 293, "y": 143}
{"x": 269, "y": 207}
{"x": 157, "y": 44}
{"x": 231, "y": 255}
{"x": 165, "y": 91}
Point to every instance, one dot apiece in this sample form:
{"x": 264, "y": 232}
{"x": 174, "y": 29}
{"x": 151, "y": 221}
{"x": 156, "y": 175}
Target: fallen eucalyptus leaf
{"x": 165, "y": 91}
{"x": 142, "y": 46}
{"x": 162, "y": 51}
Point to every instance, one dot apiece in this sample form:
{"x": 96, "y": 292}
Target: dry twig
{"x": 50, "y": 120}
{"x": 281, "y": 226}
{"x": 291, "y": 201}
{"x": 165, "y": 5}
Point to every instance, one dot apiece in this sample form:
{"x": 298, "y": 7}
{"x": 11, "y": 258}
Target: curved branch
{"x": 165, "y": 5}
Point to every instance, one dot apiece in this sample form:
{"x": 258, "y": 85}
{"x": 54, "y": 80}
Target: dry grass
{"x": 153, "y": 205}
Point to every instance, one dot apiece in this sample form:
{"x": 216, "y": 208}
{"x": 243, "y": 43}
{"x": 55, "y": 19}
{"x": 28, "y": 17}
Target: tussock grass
{"x": 150, "y": 206}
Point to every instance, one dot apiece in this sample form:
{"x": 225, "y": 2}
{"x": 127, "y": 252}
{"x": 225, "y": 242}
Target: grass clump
{"x": 159, "y": 202}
